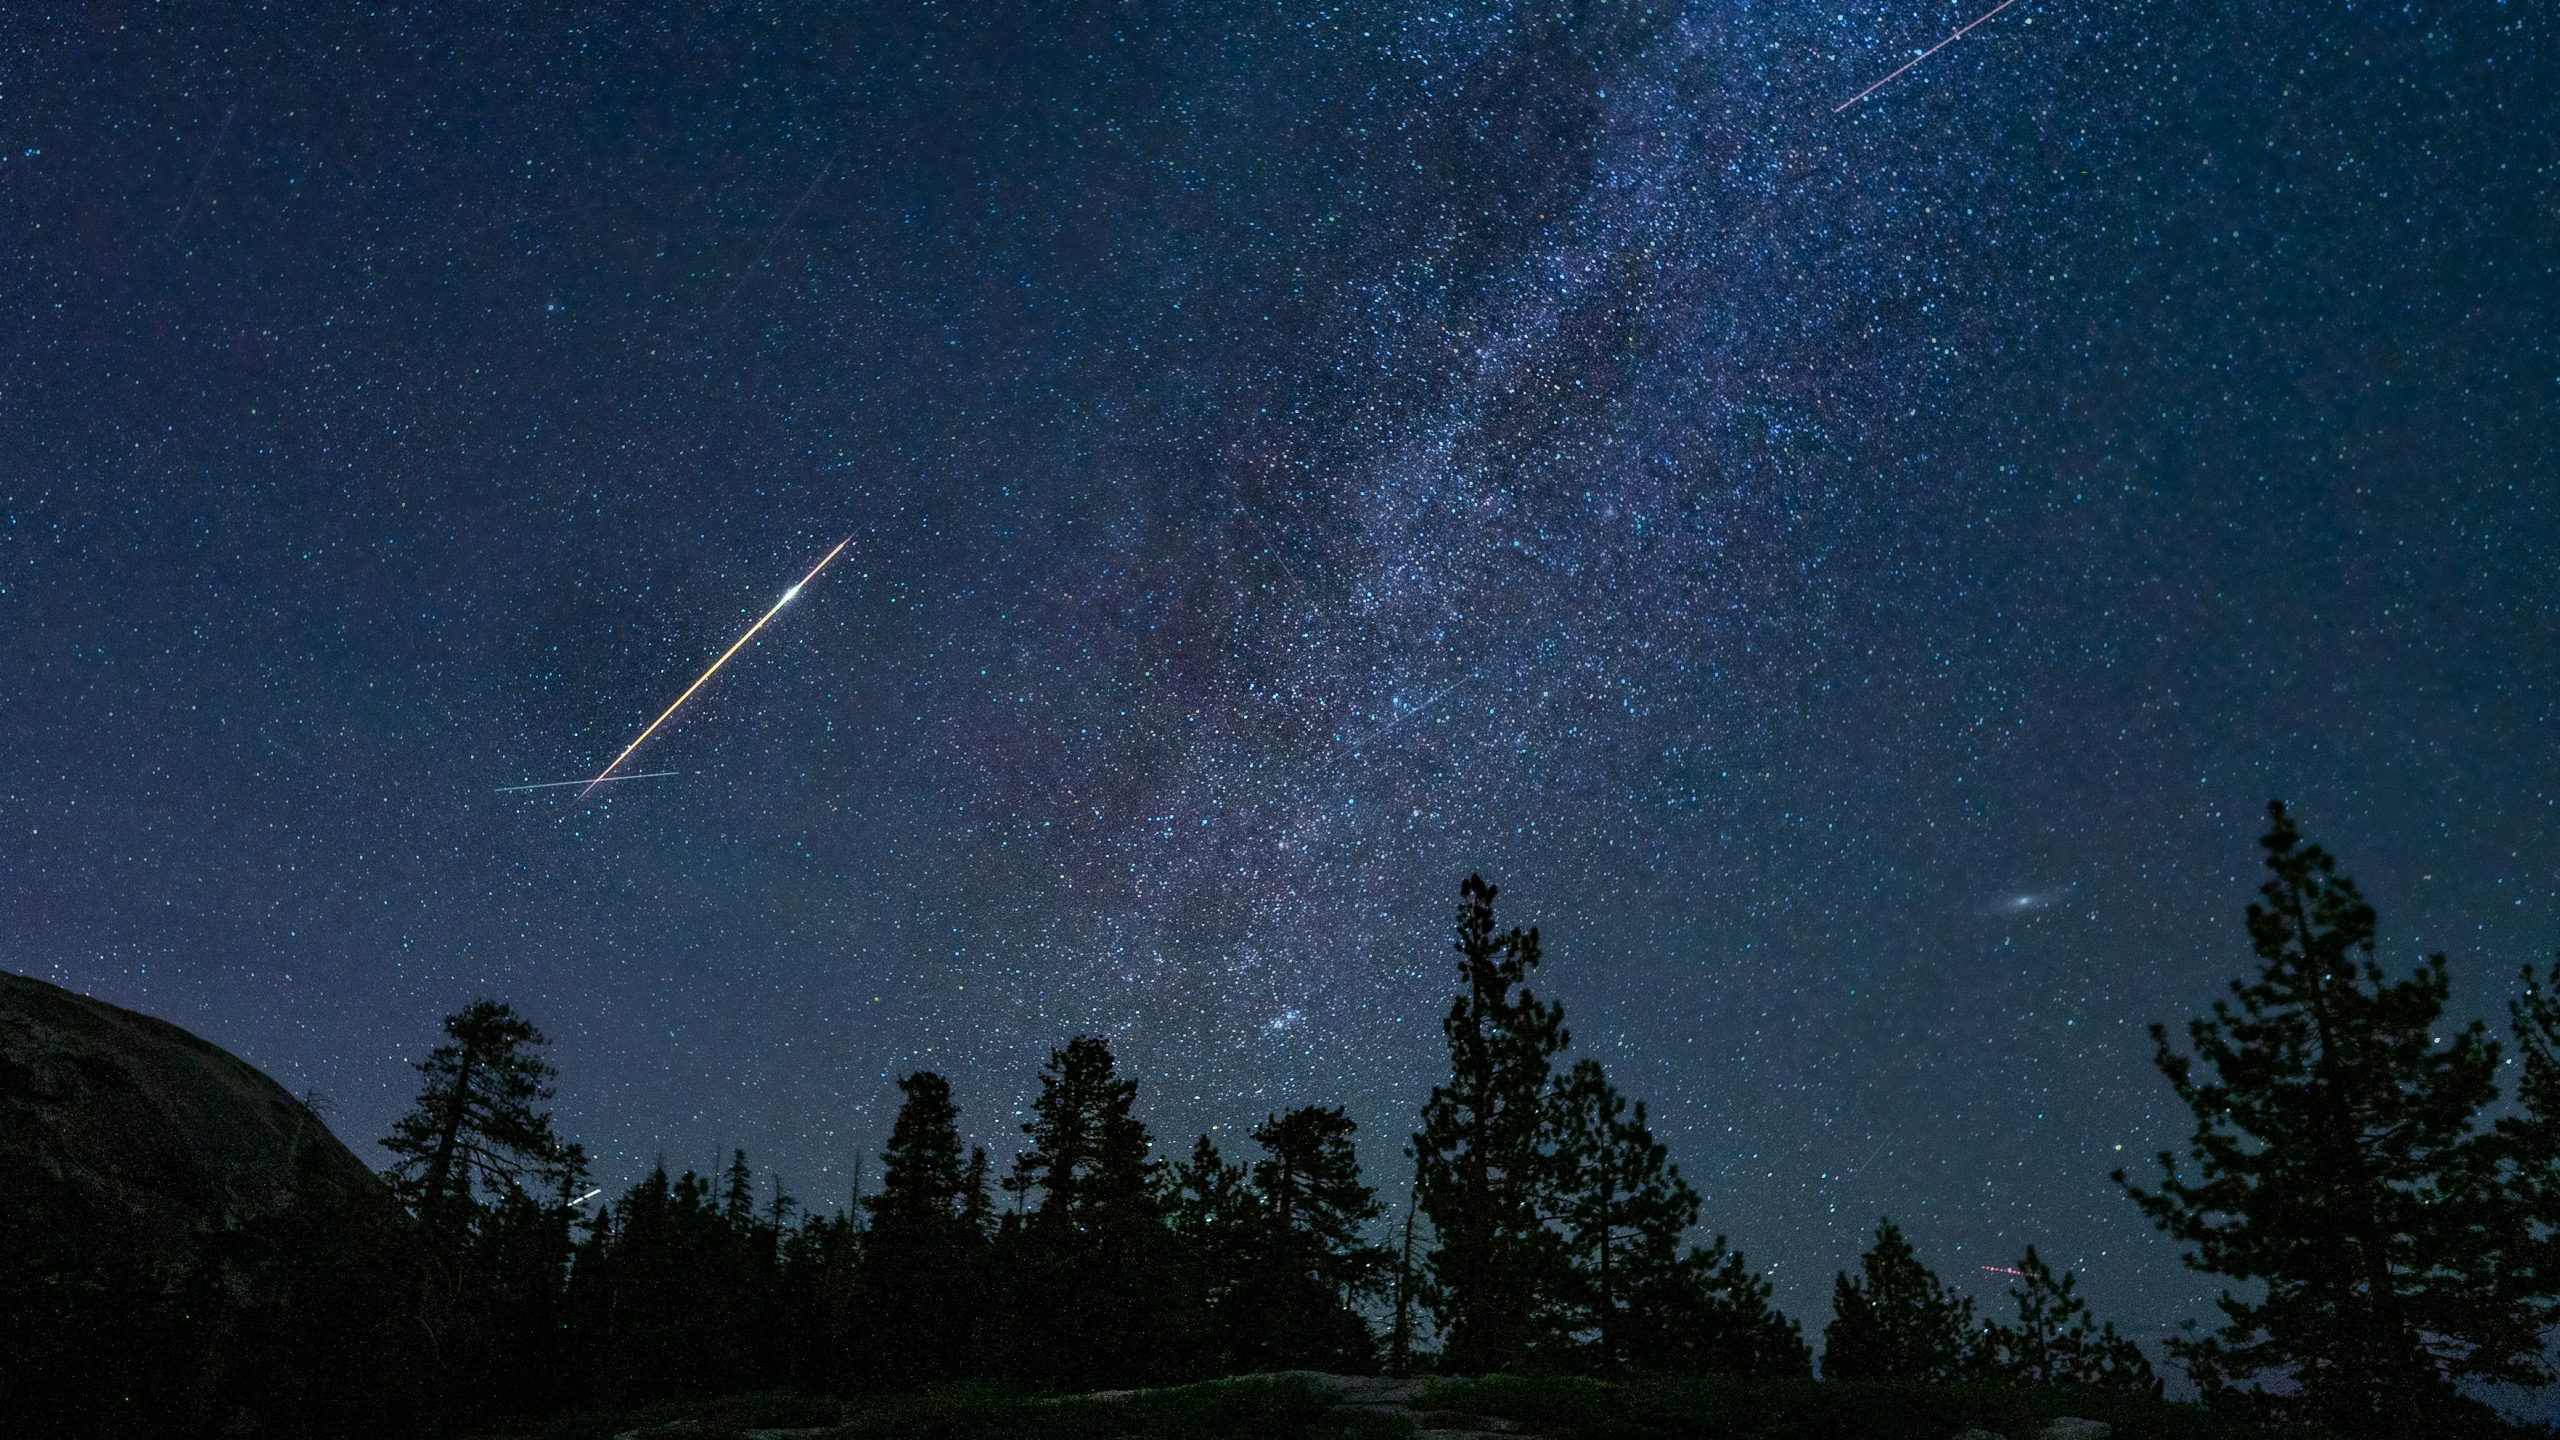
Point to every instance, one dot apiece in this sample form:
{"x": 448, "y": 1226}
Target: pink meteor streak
{"x": 735, "y": 646}
{"x": 1923, "y": 55}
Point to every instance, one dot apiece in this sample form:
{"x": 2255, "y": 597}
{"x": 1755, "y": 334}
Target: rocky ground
{"x": 1384, "y": 1395}
{"x": 1364, "y": 1395}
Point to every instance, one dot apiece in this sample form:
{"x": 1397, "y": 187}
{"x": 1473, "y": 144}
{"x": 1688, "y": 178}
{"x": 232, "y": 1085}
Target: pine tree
{"x": 1088, "y": 1154}
{"x": 2057, "y": 1342}
{"x": 1623, "y": 1209}
{"x": 2529, "y": 1138}
{"x": 1897, "y": 1321}
{"x": 1217, "y": 1227}
{"x": 1484, "y": 1172}
{"x": 1713, "y": 1316}
{"x": 478, "y": 1123}
{"x": 2340, "y": 1162}
{"x": 922, "y": 1263}
{"x": 1315, "y": 1263}
{"x": 1095, "y": 1285}
{"x": 922, "y": 1182}
{"x": 738, "y": 1194}
{"x": 471, "y": 1161}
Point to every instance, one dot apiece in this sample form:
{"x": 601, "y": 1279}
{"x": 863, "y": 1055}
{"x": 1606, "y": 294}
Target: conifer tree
{"x": 2057, "y": 1342}
{"x": 1095, "y": 1288}
{"x": 1216, "y": 1221}
{"x": 1484, "y": 1171}
{"x": 1088, "y": 1154}
{"x": 923, "y": 1185}
{"x": 921, "y": 1264}
{"x": 478, "y": 1123}
{"x": 2529, "y": 1139}
{"x": 1624, "y": 1210}
{"x": 471, "y": 1160}
{"x": 1315, "y": 1262}
{"x": 738, "y": 1194}
{"x": 1713, "y": 1316}
{"x": 1897, "y": 1321}
{"x": 2339, "y": 1162}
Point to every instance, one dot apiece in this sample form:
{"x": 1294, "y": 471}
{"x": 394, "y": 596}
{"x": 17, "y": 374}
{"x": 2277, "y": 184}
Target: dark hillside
{"x": 141, "y": 1127}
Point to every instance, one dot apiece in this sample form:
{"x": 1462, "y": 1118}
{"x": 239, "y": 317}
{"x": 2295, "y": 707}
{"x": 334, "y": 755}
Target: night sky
{"x": 1853, "y": 579}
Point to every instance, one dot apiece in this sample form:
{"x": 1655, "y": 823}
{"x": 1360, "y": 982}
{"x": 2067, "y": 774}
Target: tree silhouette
{"x": 1896, "y": 1321}
{"x": 1623, "y": 1209}
{"x": 2340, "y": 1162}
{"x": 1217, "y": 1224}
{"x": 1484, "y": 1171}
{"x": 473, "y": 1159}
{"x": 1091, "y": 1268}
{"x": 1312, "y": 1262}
{"x": 1713, "y": 1316}
{"x": 2057, "y": 1342}
{"x": 922, "y": 1263}
{"x": 478, "y": 1122}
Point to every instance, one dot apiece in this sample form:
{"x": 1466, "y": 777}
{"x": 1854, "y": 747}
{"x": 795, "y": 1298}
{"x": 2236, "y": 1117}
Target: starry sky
{"x": 1853, "y": 578}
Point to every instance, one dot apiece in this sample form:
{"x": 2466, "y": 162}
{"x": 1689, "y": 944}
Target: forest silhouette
{"x": 2382, "y": 1220}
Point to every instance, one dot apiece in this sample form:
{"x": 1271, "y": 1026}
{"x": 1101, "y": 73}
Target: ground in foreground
{"x": 1322, "y": 1407}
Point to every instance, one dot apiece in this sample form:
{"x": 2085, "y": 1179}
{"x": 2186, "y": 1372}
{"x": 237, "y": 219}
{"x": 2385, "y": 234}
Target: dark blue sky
{"x": 1853, "y": 579}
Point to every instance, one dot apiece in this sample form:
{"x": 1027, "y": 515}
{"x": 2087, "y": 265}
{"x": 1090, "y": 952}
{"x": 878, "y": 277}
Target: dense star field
{"x": 1853, "y": 579}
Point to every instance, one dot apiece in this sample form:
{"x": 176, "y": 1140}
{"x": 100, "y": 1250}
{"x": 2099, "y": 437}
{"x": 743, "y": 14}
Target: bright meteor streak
{"x": 1923, "y": 55}
{"x": 735, "y": 646}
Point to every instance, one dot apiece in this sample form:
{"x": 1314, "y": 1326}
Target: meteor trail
{"x": 735, "y": 646}
{"x": 1923, "y": 55}
{"x": 556, "y": 784}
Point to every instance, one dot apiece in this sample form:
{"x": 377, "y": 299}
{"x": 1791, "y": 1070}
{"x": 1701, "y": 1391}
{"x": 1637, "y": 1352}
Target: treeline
{"x": 2389, "y": 1226}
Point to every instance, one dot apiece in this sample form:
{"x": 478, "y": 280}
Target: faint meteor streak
{"x": 1416, "y": 713}
{"x": 1923, "y": 55}
{"x": 556, "y": 784}
{"x": 779, "y": 226}
{"x": 734, "y": 647}
{"x": 210, "y": 155}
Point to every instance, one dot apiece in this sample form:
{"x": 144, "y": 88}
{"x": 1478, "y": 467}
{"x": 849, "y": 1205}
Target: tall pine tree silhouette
{"x": 478, "y": 1122}
{"x": 475, "y": 1161}
{"x": 1484, "y": 1171}
{"x": 922, "y": 1265}
{"x": 2340, "y": 1163}
{"x": 1217, "y": 1223}
{"x": 1623, "y": 1209}
{"x": 1313, "y": 1261}
{"x": 1095, "y": 1295}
